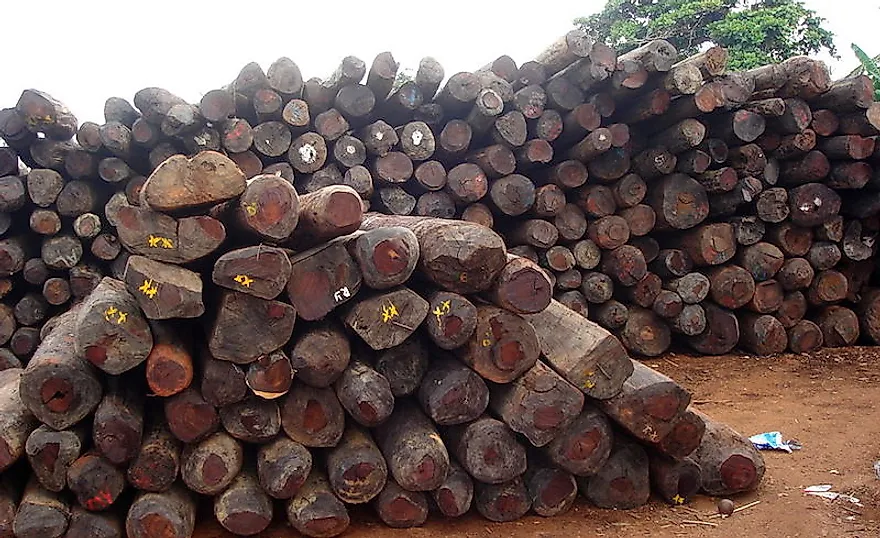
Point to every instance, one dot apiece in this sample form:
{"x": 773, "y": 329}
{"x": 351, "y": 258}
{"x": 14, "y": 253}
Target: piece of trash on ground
{"x": 824, "y": 491}
{"x": 877, "y": 469}
{"x": 773, "y": 441}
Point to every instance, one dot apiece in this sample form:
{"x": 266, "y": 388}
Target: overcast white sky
{"x": 85, "y": 51}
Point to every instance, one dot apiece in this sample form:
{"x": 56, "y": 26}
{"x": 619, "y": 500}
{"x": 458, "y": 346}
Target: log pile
{"x": 425, "y": 371}
{"x": 668, "y": 201}
{"x": 153, "y": 267}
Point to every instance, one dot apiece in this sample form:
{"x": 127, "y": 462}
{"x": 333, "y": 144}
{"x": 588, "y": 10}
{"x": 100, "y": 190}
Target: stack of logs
{"x": 658, "y": 198}
{"x": 663, "y": 198}
{"x": 427, "y": 369}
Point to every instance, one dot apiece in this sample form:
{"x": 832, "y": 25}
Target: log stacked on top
{"x": 431, "y": 365}
{"x": 668, "y": 200}
{"x": 426, "y": 370}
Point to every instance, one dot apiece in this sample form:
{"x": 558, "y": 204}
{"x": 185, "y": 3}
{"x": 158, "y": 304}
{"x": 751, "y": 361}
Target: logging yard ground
{"x": 827, "y": 400}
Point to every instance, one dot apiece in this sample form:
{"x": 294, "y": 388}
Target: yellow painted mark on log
{"x": 589, "y": 383}
{"x": 156, "y": 241}
{"x": 244, "y": 280}
{"x": 149, "y": 289}
{"x": 487, "y": 339}
{"x": 389, "y": 312}
{"x": 442, "y": 310}
{"x": 114, "y": 314}
{"x": 250, "y": 208}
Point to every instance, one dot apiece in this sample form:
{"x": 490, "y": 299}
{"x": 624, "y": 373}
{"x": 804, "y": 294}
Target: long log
{"x": 312, "y": 416}
{"x": 451, "y": 393}
{"x": 399, "y": 508}
{"x": 404, "y": 366}
{"x": 41, "y": 513}
{"x": 729, "y": 462}
{"x": 539, "y": 405}
{"x": 156, "y": 465}
{"x": 237, "y": 315}
{"x": 456, "y": 493}
{"x": 50, "y": 453}
{"x": 623, "y": 482}
{"x": 85, "y": 524}
{"x": 315, "y": 511}
{"x": 357, "y": 472}
{"x": 676, "y": 481}
{"x": 417, "y": 458}
{"x": 58, "y": 386}
{"x": 209, "y": 466}
{"x": 462, "y": 270}
{"x": 385, "y": 320}
{"x": 283, "y": 466}
{"x": 594, "y": 361}
{"x": 487, "y": 449}
{"x": 253, "y": 420}
{"x": 365, "y": 394}
{"x": 244, "y": 508}
{"x": 320, "y": 354}
{"x": 172, "y": 513}
{"x": 119, "y": 422}
{"x": 95, "y": 481}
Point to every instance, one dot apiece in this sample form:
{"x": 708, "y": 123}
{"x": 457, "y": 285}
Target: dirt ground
{"x": 828, "y": 401}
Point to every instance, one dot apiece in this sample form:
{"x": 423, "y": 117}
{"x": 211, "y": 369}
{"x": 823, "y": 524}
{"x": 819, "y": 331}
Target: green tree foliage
{"x": 870, "y": 66}
{"x": 755, "y": 32}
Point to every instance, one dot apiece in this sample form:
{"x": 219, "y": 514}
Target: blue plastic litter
{"x": 773, "y": 441}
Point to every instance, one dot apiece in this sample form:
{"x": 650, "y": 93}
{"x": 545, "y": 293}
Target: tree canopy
{"x": 755, "y": 32}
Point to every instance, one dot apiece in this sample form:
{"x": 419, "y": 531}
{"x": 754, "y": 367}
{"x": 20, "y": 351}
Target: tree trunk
{"x": 190, "y": 418}
{"x": 85, "y": 524}
{"x": 455, "y": 494}
{"x": 399, "y": 508}
{"x": 444, "y": 262}
{"x": 172, "y": 512}
{"x": 244, "y": 508}
{"x": 41, "y": 513}
{"x": 721, "y": 334}
{"x": 729, "y": 462}
{"x": 230, "y": 339}
{"x": 312, "y": 416}
{"x": 676, "y": 481}
{"x": 504, "y": 345}
{"x": 321, "y": 279}
{"x": 594, "y": 361}
{"x": 164, "y": 291}
{"x": 315, "y": 511}
{"x": 253, "y": 420}
{"x": 404, "y": 366}
{"x": 451, "y": 393}
{"x": 365, "y": 394}
{"x": 623, "y": 482}
{"x": 50, "y": 453}
{"x": 119, "y": 422}
{"x": 502, "y": 502}
{"x": 221, "y": 382}
{"x": 283, "y": 466}
{"x": 539, "y": 405}
{"x": 386, "y": 320}
{"x": 416, "y": 456}
{"x": 157, "y": 462}
{"x": 840, "y": 326}
{"x": 57, "y": 386}
{"x": 356, "y": 469}
{"x": 209, "y": 466}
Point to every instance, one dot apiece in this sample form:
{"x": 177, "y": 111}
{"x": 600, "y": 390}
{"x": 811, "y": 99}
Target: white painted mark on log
{"x": 308, "y": 153}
